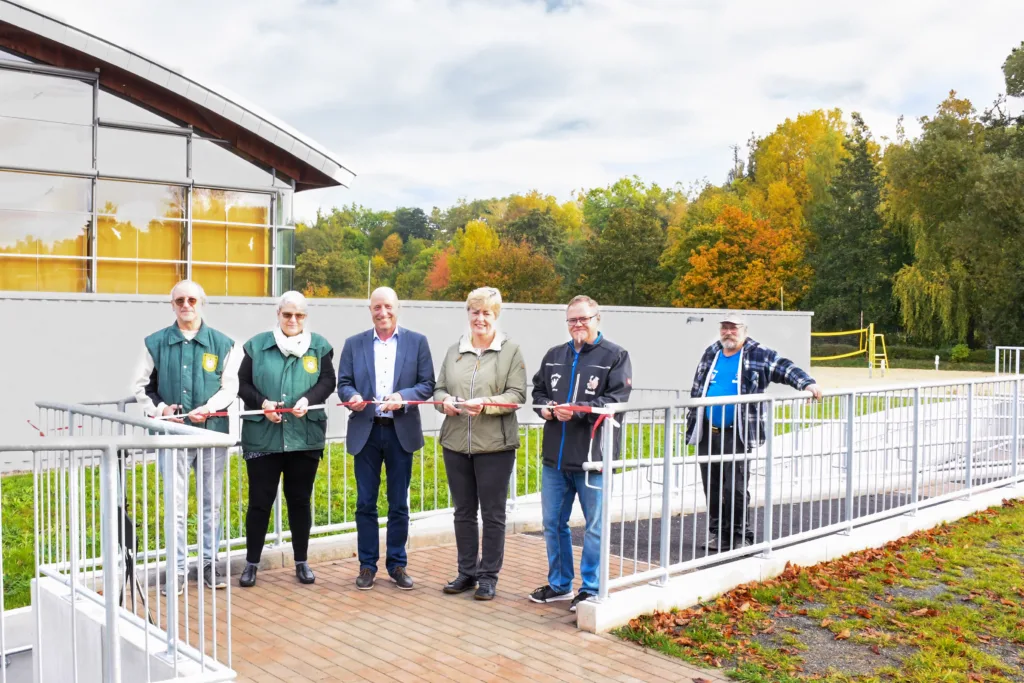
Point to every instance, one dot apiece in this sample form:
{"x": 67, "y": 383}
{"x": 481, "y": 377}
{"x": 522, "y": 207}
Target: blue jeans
{"x": 558, "y": 490}
{"x": 382, "y": 447}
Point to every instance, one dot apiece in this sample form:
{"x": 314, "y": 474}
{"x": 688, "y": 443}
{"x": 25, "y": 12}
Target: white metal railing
{"x": 1008, "y": 360}
{"x": 333, "y": 505}
{"x": 853, "y": 457}
{"x": 94, "y": 486}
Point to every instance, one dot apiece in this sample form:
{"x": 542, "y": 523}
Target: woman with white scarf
{"x": 287, "y": 369}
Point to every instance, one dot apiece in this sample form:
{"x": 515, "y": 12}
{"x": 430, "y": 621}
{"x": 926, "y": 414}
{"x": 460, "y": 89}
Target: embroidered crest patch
{"x": 210, "y": 362}
{"x": 309, "y": 364}
{"x": 592, "y": 383}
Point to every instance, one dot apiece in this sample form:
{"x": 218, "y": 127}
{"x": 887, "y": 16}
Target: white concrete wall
{"x": 53, "y": 600}
{"x": 84, "y": 347}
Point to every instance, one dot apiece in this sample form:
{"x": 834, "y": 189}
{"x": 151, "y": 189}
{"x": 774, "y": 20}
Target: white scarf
{"x": 292, "y": 346}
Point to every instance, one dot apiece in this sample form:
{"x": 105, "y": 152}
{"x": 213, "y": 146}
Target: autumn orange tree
{"x": 749, "y": 266}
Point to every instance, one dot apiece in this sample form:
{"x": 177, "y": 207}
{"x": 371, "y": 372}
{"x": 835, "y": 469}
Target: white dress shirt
{"x": 384, "y": 353}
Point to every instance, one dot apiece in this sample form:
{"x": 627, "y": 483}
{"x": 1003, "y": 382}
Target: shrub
{"x": 960, "y": 353}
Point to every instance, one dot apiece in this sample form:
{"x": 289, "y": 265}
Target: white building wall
{"x": 73, "y": 348}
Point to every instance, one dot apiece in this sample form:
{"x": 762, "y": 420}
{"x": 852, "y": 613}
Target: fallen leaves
{"x": 843, "y": 635}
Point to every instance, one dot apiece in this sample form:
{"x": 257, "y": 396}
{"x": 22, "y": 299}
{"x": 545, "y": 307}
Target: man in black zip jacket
{"x": 587, "y": 371}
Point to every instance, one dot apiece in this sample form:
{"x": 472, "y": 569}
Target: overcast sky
{"x": 432, "y": 100}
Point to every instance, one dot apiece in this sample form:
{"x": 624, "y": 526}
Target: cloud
{"x": 433, "y": 100}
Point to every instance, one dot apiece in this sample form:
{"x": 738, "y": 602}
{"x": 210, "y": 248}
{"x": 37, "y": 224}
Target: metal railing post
{"x": 1015, "y": 434}
{"x": 278, "y": 524}
{"x": 970, "y": 439}
{"x": 850, "y": 417}
{"x": 769, "y": 445}
{"x": 607, "y": 475}
{"x": 111, "y": 567}
{"x": 915, "y": 459}
{"x": 171, "y": 538}
{"x": 666, "y": 495}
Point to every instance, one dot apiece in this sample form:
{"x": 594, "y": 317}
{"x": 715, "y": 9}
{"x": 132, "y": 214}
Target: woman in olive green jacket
{"x": 480, "y": 443}
{"x": 292, "y": 368}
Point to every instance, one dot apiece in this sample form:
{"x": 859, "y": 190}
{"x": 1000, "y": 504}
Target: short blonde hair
{"x": 485, "y": 298}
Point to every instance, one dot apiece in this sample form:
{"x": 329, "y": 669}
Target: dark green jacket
{"x": 188, "y": 373}
{"x": 286, "y": 380}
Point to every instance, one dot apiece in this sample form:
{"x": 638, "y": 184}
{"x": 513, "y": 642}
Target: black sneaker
{"x": 212, "y": 579}
{"x": 711, "y": 544}
{"x": 580, "y": 597}
{"x": 401, "y": 579}
{"x": 484, "y": 592}
{"x": 364, "y": 581}
{"x": 546, "y": 594}
{"x": 460, "y": 584}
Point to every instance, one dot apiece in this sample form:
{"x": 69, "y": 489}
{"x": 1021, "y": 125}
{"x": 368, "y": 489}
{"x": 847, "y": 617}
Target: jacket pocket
{"x": 316, "y": 428}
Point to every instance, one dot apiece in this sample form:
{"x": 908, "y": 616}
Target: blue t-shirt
{"x": 724, "y": 376}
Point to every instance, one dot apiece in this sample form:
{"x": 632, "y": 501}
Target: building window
{"x": 141, "y": 217}
{"x": 44, "y": 232}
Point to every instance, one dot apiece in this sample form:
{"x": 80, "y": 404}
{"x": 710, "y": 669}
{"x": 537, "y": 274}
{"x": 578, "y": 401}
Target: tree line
{"x": 922, "y": 234}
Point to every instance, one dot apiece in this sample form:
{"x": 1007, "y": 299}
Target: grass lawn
{"x": 945, "y": 604}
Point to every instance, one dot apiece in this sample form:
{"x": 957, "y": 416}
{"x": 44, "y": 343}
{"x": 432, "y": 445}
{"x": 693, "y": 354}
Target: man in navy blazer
{"x": 392, "y": 365}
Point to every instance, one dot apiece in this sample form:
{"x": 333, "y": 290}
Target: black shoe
{"x": 212, "y": 579}
{"x": 484, "y": 592}
{"x": 248, "y": 577}
{"x": 548, "y": 594}
{"x": 304, "y": 573}
{"x": 365, "y": 580}
{"x": 711, "y": 544}
{"x": 580, "y": 597}
{"x": 401, "y": 579}
{"x": 460, "y": 584}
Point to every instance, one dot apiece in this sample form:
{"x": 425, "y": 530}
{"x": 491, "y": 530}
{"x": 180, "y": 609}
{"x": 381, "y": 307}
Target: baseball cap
{"x": 733, "y": 318}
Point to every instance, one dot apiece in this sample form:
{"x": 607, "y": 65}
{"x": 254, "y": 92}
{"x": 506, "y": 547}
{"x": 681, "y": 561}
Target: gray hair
{"x": 385, "y": 290}
{"x": 292, "y": 297}
{"x": 202, "y": 292}
{"x": 584, "y": 299}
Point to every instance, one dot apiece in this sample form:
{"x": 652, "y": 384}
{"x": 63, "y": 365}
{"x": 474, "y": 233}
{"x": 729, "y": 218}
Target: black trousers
{"x": 479, "y": 482}
{"x": 299, "y": 471}
{"x": 725, "y": 483}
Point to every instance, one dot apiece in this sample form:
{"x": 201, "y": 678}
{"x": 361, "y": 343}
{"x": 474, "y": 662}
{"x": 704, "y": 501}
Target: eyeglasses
{"x": 576, "y": 321}
{"x": 298, "y": 316}
{"x": 180, "y": 301}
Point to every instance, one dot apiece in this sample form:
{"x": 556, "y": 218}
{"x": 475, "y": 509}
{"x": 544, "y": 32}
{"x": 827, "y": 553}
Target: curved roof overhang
{"x": 254, "y": 134}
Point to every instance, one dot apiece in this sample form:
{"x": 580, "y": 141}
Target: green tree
{"x": 855, "y": 254}
{"x": 1013, "y": 72}
{"x": 539, "y": 229}
{"x": 411, "y": 223}
{"x": 620, "y": 265}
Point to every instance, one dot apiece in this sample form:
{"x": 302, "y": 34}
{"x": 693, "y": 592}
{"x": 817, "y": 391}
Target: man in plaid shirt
{"x": 733, "y": 366}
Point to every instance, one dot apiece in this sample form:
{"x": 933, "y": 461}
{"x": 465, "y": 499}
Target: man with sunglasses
{"x": 190, "y": 369}
{"x": 589, "y": 370}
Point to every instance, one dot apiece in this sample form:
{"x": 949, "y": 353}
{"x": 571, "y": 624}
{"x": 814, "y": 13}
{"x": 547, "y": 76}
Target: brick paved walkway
{"x": 330, "y": 631}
